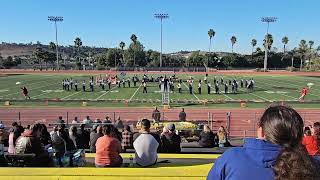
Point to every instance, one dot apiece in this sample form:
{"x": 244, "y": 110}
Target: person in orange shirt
{"x": 310, "y": 142}
{"x": 108, "y": 149}
{"x": 303, "y": 93}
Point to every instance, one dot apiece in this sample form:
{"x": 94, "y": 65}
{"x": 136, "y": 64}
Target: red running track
{"x": 243, "y": 122}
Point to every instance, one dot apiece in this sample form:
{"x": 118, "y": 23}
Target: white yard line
{"x": 135, "y": 93}
{"x": 294, "y": 98}
{"x": 228, "y": 96}
{"x": 106, "y": 92}
{"x": 284, "y": 82}
{"x": 70, "y": 95}
{"x": 192, "y": 92}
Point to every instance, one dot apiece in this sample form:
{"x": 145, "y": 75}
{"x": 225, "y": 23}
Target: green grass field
{"x": 267, "y": 89}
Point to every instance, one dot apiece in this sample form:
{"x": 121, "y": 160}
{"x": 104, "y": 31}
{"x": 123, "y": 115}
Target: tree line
{"x": 305, "y": 55}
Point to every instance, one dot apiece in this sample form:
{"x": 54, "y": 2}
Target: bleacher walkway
{"x": 179, "y": 166}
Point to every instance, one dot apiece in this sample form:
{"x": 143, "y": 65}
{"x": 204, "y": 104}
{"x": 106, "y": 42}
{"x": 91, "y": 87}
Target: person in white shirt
{"x": 146, "y": 145}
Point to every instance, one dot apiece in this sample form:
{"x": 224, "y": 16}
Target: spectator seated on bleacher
{"x": 29, "y": 143}
{"x": 277, "y": 153}
{"x": 4, "y": 136}
{"x": 127, "y": 138}
{"x": 310, "y": 142}
{"x": 108, "y": 149}
{"x": 61, "y": 143}
{"x": 222, "y": 139}
{"x": 146, "y": 145}
{"x": 87, "y": 120}
{"x": 74, "y": 135}
{"x": 207, "y": 138}
{"x": 60, "y": 120}
{"x": 75, "y": 121}
{"x": 170, "y": 140}
{"x": 119, "y": 124}
{"x": 94, "y": 135}
{"x": 15, "y": 133}
{"x": 84, "y": 137}
{"x": 45, "y": 136}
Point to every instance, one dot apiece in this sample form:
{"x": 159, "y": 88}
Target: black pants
{"x": 190, "y": 90}
{"x": 76, "y": 87}
{"x": 179, "y": 89}
{"x": 144, "y": 90}
{"x": 83, "y": 88}
{"x": 199, "y": 89}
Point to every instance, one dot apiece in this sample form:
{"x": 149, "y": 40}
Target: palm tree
{"x": 233, "y": 41}
{"x": 134, "y": 39}
{"x": 211, "y": 34}
{"x": 78, "y": 44}
{"x": 302, "y": 51}
{"x": 285, "y": 41}
{"x": 311, "y": 43}
{"x": 267, "y": 43}
{"x": 122, "y": 45}
{"x": 51, "y": 46}
{"x": 253, "y": 44}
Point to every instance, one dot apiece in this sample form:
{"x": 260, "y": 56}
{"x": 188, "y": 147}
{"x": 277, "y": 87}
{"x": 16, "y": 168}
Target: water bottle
{"x": 131, "y": 161}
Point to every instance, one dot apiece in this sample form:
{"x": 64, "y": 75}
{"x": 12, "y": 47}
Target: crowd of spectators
{"x": 281, "y": 151}
{"x": 105, "y": 138}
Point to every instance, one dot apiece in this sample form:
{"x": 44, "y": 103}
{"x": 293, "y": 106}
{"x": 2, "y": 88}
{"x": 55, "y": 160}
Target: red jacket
{"x": 310, "y": 143}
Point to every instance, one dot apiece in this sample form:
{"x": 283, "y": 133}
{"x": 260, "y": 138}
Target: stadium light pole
{"x": 267, "y": 20}
{"x": 56, "y": 19}
{"x": 161, "y": 17}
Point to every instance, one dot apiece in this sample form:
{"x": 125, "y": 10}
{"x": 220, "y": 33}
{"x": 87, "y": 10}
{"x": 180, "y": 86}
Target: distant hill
{"x": 25, "y": 50}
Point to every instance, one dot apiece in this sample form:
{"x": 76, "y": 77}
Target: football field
{"x": 268, "y": 88}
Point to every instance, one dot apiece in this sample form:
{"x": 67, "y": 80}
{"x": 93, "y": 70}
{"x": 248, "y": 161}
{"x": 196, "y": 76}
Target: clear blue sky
{"x": 104, "y": 23}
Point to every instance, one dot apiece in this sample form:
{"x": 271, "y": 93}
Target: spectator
{"x": 156, "y": 115}
{"x": 45, "y": 136}
{"x": 146, "y": 145}
{"x": 94, "y": 135}
{"x": 61, "y": 142}
{"x": 222, "y": 137}
{"x": 316, "y": 132}
{"x": 29, "y": 142}
{"x": 182, "y": 116}
{"x": 206, "y": 138}
{"x": 127, "y": 139}
{"x": 84, "y": 138}
{"x": 75, "y": 121}
{"x": 97, "y": 120}
{"x": 107, "y": 120}
{"x": 310, "y": 142}
{"x": 74, "y": 136}
{"x": 171, "y": 141}
{"x": 60, "y": 120}
{"x": 276, "y": 154}
{"x": 87, "y": 120}
{"x": 165, "y": 130}
{"x": 4, "y": 136}
{"x": 119, "y": 124}
{"x": 16, "y": 132}
{"x": 108, "y": 149}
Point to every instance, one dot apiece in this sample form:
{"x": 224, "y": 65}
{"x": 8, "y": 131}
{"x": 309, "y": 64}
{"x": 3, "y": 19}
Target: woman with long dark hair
{"x": 277, "y": 153}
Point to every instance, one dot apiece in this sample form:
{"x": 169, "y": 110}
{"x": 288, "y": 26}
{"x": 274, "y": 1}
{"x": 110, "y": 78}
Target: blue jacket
{"x": 252, "y": 161}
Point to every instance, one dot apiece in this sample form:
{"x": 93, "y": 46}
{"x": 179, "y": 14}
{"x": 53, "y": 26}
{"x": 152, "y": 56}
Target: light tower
{"x": 56, "y": 19}
{"x": 161, "y": 17}
{"x": 267, "y": 20}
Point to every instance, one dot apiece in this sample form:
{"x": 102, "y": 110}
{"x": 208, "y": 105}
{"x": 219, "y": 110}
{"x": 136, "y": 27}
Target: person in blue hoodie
{"x": 277, "y": 153}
